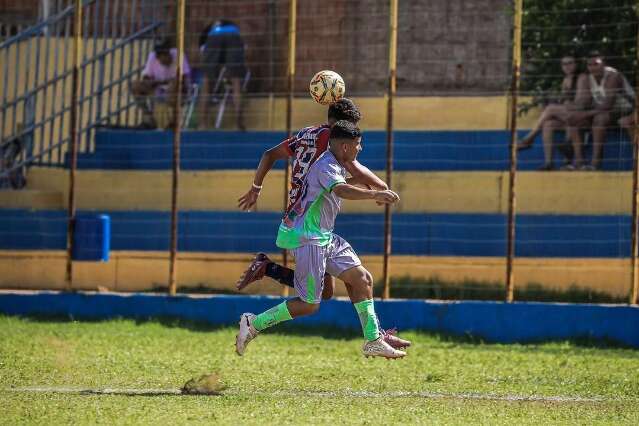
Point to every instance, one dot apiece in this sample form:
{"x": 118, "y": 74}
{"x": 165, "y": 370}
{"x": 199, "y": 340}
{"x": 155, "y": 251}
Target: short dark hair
{"x": 163, "y": 47}
{"x": 594, "y": 54}
{"x": 344, "y": 129}
{"x": 344, "y": 109}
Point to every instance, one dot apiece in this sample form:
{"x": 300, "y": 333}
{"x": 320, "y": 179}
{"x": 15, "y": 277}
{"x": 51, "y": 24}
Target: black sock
{"x": 280, "y": 274}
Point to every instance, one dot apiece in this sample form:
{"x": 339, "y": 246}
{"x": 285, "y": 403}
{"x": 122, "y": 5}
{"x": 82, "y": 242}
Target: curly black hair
{"x": 344, "y": 129}
{"x": 344, "y": 109}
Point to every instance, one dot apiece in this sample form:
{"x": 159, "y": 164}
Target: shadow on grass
{"x": 129, "y": 392}
{"x": 338, "y": 333}
{"x": 121, "y": 392}
{"x": 435, "y": 287}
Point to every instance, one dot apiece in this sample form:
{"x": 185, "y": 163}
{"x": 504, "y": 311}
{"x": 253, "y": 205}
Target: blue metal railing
{"x": 36, "y": 72}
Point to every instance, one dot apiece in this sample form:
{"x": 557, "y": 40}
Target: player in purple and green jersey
{"x": 305, "y": 147}
{"x": 307, "y": 231}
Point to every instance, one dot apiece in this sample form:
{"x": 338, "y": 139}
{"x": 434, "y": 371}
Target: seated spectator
{"x": 224, "y": 47}
{"x": 603, "y": 96}
{"x": 554, "y": 115}
{"x": 158, "y": 84}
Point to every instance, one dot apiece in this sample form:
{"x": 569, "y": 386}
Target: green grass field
{"x": 295, "y": 376}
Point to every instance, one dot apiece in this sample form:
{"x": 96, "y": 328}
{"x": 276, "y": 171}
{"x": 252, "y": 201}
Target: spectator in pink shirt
{"x": 158, "y": 81}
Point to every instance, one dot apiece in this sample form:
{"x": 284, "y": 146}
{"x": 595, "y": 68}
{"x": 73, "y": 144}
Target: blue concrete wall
{"x": 421, "y": 151}
{"x": 445, "y": 234}
{"x": 492, "y": 321}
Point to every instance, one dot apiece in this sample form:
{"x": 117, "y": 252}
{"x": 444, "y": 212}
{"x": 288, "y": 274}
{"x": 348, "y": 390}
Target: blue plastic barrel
{"x": 92, "y": 237}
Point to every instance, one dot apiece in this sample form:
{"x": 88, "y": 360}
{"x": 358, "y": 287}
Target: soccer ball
{"x": 327, "y": 87}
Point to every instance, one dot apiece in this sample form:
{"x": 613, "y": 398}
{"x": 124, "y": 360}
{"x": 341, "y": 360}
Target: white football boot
{"x": 379, "y": 347}
{"x": 246, "y": 334}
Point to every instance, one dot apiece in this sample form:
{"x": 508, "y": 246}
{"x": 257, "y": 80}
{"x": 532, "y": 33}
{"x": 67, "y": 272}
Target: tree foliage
{"x": 553, "y": 28}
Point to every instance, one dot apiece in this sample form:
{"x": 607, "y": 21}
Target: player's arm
{"x": 270, "y": 156}
{"x": 361, "y": 175}
{"x": 350, "y": 192}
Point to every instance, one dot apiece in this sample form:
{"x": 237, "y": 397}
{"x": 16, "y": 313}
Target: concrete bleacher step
{"x": 440, "y": 150}
{"x": 574, "y": 193}
{"x": 31, "y": 199}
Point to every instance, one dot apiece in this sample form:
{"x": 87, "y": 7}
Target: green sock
{"x": 273, "y": 316}
{"x": 367, "y": 317}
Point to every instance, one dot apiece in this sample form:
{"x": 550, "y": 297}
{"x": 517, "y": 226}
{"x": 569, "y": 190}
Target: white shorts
{"x": 311, "y": 262}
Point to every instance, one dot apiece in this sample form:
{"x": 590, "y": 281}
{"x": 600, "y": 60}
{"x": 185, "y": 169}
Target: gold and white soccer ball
{"x": 327, "y": 87}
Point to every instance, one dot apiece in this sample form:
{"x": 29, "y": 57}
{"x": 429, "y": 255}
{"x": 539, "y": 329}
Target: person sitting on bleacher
{"x": 154, "y": 94}
{"x": 224, "y": 48}
{"x": 603, "y": 96}
{"x": 553, "y": 116}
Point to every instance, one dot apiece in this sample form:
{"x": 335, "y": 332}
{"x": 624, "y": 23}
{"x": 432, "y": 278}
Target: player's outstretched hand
{"x": 386, "y": 197}
{"x": 247, "y": 201}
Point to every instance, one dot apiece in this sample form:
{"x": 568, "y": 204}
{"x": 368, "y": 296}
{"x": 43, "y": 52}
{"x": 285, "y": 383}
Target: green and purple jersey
{"x": 310, "y": 221}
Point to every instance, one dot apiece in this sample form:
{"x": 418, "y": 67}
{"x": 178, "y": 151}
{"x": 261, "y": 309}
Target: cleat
{"x": 246, "y": 334}
{"x": 391, "y": 337}
{"x": 380, "y": 348}
{"x": 255, "y": 271}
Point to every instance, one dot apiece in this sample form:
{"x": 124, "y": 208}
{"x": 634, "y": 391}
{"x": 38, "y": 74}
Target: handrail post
{"x": 514, "y": 89}
{"x": 177, "y": 124}
{"x": 392, "y": 88}
{"x": 634, "y": 250}
{"x": 292, "y": 24}
{"x": 73, "y": 128}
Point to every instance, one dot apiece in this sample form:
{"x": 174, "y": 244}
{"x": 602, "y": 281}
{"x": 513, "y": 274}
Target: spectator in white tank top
{"x": 603, "y": 96}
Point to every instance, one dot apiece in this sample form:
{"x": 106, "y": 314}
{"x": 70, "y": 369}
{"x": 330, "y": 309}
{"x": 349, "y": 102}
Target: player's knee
{"x": 369, "y": 279}
{"x": 306, "y": 309}
{"x": 311, "y": 308}
{"x": 366, "y": 279}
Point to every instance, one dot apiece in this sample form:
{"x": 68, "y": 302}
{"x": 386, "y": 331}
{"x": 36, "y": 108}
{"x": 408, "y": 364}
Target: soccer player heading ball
{"x": 307, "y": 230}
{"x": 305, "y": 147}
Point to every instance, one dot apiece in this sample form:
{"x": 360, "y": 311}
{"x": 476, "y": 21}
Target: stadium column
{"x": 514, "y": 89}
{"x": 177, "y": 124}
{"x": 634, "y": 283}
{"x": 73, "y": 137}
{"x": 292, "y": 24}
{"x": 392, "y": 88}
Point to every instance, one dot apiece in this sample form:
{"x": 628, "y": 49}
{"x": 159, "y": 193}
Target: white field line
{"x": 321, "y": 394}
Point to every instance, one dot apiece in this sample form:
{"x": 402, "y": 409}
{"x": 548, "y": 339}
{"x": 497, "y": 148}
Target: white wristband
{"x": 258, "y": 187}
